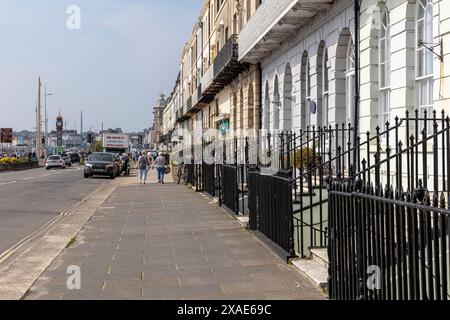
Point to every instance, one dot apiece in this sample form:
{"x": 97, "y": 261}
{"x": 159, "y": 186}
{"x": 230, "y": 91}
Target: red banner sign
{"x": 6, "y": 135}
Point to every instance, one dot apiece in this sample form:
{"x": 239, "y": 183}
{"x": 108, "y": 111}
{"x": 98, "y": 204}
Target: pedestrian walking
{"x": 150, "y": 158}
{"x": 143, "y": 165}
{"x": 160, "y": 164}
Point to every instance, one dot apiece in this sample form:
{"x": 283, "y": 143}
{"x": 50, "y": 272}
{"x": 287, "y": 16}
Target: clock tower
{"x": 59, "y": 130}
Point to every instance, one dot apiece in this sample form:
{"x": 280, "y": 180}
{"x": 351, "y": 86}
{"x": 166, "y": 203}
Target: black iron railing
{"x": 227, "y": 54}
{"x": 230, "y": 194}
{"x": 389, "y": 227}
{"x": 209, "y": 178}
{"x": 380, "y": 206}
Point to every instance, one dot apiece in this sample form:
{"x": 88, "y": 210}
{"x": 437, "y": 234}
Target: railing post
{"x": 377, "y": 159}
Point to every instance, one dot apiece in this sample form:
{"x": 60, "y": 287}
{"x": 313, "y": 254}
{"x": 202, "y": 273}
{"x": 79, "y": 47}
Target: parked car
{"x": 74, "y": 157}
{"x": 55, "y": 161}
{"x": 66, "y": 159}
{"x": 101, "y": 164}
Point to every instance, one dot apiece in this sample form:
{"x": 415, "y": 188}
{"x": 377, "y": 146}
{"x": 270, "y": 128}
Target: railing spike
{"x": 442, "y": 200}
{"x": 427, "y": 200}
{"x": 435, "y": 199}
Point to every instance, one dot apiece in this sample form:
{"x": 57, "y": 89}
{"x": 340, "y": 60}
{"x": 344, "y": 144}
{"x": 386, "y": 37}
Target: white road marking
{"x": 5, "y": 183}
{"x": 29, "y": 178}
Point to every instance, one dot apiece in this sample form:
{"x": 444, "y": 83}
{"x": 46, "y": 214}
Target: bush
{"x": 23, "y": 160}
{"x": 5, "y": 160}
{"x": 309, "y": 158}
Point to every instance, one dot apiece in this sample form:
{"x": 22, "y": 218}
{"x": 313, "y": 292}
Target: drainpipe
{"x": 260, "y": 112}
{"x": 260, "y": 96}
{"x": 357, "y": 9}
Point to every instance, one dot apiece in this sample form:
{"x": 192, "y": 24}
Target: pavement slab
{"x": 167, "y": 242}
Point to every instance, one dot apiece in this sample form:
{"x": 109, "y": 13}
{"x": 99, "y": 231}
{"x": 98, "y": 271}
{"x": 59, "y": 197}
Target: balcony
{"x": 225, "y": 68}
{"x": 273, "y": 23}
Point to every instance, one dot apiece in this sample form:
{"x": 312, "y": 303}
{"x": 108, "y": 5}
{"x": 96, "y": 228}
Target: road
{"x": 31, "y": 198}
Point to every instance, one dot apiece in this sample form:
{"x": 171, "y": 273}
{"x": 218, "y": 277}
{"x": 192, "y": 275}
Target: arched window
{"x": 276, "y": 104}
{"x": 322, "y": 84}
{"x": 326, "y": 87}
{"x": 308, "y": 92}
{"x": 287, "y": 99}
{"x": 267, "y": 107}
{"x": 424, "y": 59}
{"x": 385, "y": 70}
{"x": 350, "y": 83}
{"x": 304, "y": 75}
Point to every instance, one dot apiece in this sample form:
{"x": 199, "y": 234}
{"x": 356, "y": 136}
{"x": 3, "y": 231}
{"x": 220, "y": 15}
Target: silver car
{"x": 66, "y": 159}
{"x": 55, "y": 162}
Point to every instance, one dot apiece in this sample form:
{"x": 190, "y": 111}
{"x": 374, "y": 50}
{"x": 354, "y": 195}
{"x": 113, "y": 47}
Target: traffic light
{"x": 43, "y": 140}
{"x": 90, "y": 137}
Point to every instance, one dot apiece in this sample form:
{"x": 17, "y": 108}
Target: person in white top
{"x": 160, "y": 164}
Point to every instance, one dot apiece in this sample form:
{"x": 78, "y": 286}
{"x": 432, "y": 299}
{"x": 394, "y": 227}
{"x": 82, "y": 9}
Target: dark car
{"x": 101, "y": 164}
{"x": 74, "y": 157}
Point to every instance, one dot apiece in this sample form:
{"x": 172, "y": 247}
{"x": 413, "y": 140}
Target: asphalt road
{"x": 31, "y": 198}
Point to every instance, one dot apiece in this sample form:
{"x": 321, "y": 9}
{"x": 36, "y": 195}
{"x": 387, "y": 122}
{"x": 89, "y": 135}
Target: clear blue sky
{"x": 112, "y": 68}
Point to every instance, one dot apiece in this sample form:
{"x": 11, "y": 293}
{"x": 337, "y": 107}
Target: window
{"x": 308, "y": 92}
{"x": 241, "y": 109}
{"x": 217, "y": 107}
{"x": 218, "y": 5}
{"x": 267, "y": 107}
{"x": 235, "y": 112}
{"x": 385, "y": 70}
{"x": 424, "y": 60}
{"x": 303, "y": 91}
{"x": 326, "y": 88}
{"x": 276, "y": 105}
{"x": 350, "y": 82}
{"x": 249, "y": 9}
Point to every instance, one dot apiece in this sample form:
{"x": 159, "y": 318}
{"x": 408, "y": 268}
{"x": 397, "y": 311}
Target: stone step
{"x": 243, "y": 220}
{"x": 321, "y": 256}
{"x": 313, "y": 270}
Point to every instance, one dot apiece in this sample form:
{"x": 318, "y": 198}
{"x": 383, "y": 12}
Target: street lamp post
{"x": 46, "y": 120}
{"x": 38, "y": 121}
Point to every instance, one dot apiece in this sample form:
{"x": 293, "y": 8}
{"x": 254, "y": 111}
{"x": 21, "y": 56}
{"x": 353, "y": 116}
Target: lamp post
{"x": 46, "y": 120}
{"x": 38, "y": 121}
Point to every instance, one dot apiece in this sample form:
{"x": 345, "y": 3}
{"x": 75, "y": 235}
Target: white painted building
{"x": 306, "y": 52}
{"x": 402, "y": 43}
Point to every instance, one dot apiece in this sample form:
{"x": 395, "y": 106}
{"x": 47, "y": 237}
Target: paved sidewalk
{"x": 167, "y": 242}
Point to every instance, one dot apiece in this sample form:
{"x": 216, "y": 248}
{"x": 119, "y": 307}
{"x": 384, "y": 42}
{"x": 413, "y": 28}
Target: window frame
{"x": 384, "y": 69}
{"x": 325, "y": 86}
{"x": 424, "y": 73}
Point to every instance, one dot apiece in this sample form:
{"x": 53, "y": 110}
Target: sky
{"x": 112, "y": 67}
